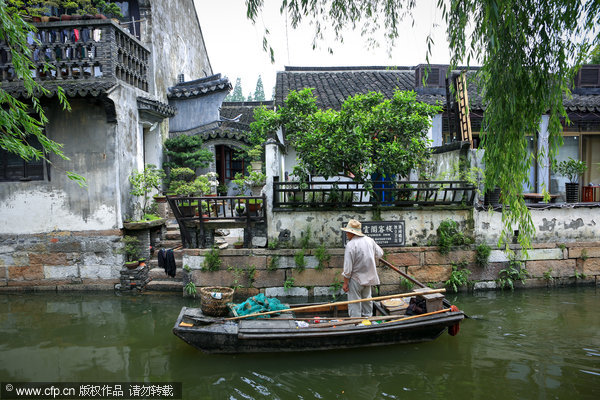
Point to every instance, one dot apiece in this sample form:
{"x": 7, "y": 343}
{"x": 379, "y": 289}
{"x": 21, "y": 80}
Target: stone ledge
{"x": 135, "y": 226}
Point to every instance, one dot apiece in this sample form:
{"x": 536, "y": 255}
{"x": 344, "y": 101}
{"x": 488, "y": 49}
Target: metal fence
{"x": 317, "y": 194}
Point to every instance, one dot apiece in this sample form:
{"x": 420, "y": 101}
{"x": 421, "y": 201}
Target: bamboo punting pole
{"x": 377, "y": 318}
{"x": 339, "y": 303}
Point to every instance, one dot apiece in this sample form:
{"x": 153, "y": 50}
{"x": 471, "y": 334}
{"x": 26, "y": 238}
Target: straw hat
{"x": 354, "y": 227}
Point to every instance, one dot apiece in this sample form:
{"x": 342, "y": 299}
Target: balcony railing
{"x": 83, "y": 52}
{"x": 384, "y": 194}
{"x": 196, "y": 214}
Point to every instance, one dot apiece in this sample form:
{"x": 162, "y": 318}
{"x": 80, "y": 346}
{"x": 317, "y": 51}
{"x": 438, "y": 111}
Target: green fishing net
{"x": 258, "y": 303}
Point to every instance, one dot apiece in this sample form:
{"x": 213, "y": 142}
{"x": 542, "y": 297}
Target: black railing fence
{"x": 200, "y": 211}
{"x": 315, "y": 194}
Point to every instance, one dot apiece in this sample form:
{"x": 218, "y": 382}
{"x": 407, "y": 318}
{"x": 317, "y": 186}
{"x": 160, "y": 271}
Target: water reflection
{"x": 527, "y": 344}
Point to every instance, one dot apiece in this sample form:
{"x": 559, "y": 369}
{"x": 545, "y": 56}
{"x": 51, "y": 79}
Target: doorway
{"x": 229, "y": 161}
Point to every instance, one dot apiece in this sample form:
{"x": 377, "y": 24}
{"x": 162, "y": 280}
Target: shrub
{"x": 273, "y": 263}
{"x": 289, "y": 283}
{"x": 459, "y": 276}
{"x": 131, "y": 248}
{"x": 449, "y": 235}
{"x": 299, "y": 260}
{"x": 190, "y": 289}
{"x": 187, "y": 151}
{"x": 322, "y": 256}
{"x": 212, "y": 260}
{"x": 509, "y": 275}
{"x": 483, "y": 254}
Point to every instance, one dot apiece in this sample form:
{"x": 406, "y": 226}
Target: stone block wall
{"x": 252, "y": 271}
{"x": 60, "y": 261}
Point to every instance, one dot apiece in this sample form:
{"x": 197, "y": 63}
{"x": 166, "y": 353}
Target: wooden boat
{"x": 323, "y": 326}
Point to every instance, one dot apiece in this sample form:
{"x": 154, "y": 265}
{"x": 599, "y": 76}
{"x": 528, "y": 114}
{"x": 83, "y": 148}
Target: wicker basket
{"x": 211, "y": 304}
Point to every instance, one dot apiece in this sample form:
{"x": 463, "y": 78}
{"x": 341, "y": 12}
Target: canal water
{"x": 535, "y": 344}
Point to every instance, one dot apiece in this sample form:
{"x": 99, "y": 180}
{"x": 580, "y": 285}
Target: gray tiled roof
{"x": 333, "y": 85}
{"x": 582, "y": 99}
{"x": 245, "y": 109}
{"x": 583, "y": 103}
{"x": 199, "y": 87}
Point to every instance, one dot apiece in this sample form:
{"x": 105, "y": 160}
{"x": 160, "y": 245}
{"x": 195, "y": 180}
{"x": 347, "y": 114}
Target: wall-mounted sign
{"x": 385, "y": 233}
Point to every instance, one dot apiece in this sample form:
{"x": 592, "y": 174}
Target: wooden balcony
{"x": 84, "y": 55}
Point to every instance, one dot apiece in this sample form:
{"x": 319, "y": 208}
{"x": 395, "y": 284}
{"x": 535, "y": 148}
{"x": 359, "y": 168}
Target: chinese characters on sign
{"x": 385, "y": 233}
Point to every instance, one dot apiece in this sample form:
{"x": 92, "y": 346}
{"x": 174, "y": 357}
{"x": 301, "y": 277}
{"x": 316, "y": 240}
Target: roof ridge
{"x": 390, "y": 68}
{"x": 248, "y": 103}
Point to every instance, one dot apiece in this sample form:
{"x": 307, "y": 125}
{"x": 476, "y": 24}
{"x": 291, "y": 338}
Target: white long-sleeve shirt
{"x": 360, "y": 260}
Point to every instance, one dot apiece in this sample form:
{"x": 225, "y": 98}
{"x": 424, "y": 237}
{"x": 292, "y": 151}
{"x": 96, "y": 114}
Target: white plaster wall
{"x": 420, "y": 225}
{"x": 173, "y": 34}
{"x": 561, "y": 225}
{"x": 36, "y": 211}
{"x": 435, "y": 131}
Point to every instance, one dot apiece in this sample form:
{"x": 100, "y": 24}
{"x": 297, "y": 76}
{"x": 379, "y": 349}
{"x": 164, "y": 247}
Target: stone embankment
{"x": 72, "y": 261}
{"x": 254, "y": 271}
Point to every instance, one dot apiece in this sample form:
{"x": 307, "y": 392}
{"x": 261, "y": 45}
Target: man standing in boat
{"x": 360, "y": 268}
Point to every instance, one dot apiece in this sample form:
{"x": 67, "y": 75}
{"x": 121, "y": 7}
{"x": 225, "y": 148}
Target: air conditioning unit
{"x": 436, "y": 75}
{"x": 588, "y": 77}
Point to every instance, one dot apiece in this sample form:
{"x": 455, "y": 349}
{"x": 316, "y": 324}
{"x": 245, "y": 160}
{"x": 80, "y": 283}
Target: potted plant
{"x": 238, "y": 244}
{"x": 254, "y": 181}
{"x": 255, "y": 154}
{"x": 143, "y": 182}
{"x": 109, "y": 9}
{"x": 131, "y": 250}
{"x": 213, "y": 182}
{"x": 254, "y": 205}
{"x": 240, "y": 209}
{"x": 572, "y": 170}
{"x": 222, "y": 190}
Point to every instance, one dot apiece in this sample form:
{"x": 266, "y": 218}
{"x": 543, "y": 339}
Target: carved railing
{"x": 383, "y": 194}
{"x": 83, "y": 52}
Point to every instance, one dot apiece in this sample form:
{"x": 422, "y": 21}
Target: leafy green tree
{"x": 23, "y": 121}
{"x": 529, "y": 51}
{"x": 249, "y": 98}
{"x": 369, "y": 135}
{"x": 595, "y": 55}
{"x": 186, "y": 151}
{"x": 259, "y": 92}
{"x": 237, "y": 94}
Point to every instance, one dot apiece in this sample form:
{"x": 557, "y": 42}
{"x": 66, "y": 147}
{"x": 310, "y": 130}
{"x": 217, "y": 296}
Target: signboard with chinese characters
{"x": 385, "y": 233}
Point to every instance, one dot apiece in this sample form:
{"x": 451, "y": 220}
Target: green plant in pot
{"x": 255, "y": 155}
{"x": 109, "y": 9}
{"x": 253, "y": 181}
{"x": 572, "y": 170}
{"x": 142, "y": 183}
{"x": 240, "y": 209}
{"x": 131, "y": 250}
{"x": 222, "y": 190}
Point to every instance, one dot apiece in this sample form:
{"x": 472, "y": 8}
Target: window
{"x": 14, "y": 168}
{"x": 131, "y": 16}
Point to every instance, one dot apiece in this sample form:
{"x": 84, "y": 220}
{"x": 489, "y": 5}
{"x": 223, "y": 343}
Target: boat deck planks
{"x": 262, "y": 325}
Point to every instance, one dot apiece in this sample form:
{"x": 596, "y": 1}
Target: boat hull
{"x": 282, "y": 335}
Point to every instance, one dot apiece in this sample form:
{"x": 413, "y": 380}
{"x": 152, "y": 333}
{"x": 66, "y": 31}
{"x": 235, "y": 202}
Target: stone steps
{"x": 158, "y": 274}
{"x": 164, "y": 286}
